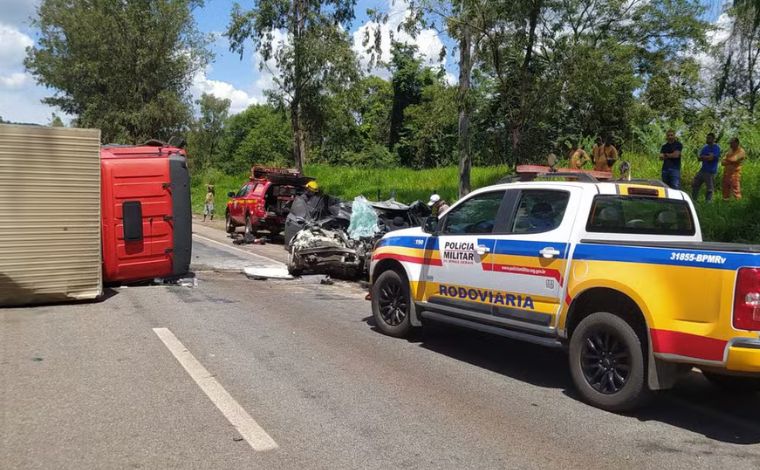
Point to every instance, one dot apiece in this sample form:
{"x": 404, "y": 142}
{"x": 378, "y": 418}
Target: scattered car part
{"x": 263, "y": 273}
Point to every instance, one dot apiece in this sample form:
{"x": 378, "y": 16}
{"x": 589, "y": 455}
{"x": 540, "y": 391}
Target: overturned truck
{"x": 324, "y": 235}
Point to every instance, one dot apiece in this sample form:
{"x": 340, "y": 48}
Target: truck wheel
{"x": 391, "y": 304}
{"x": 607, "y": 363}
{"x": 732, "y": 383}
{"x": 228, "y": 225}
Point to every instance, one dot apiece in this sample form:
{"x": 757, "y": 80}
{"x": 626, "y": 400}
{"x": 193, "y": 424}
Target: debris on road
{"x": 190, "y": 282}
{"x": 265, "y": 273}
{"x": 248, "y": 239}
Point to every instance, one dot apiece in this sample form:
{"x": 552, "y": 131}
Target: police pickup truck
{"x": 616, "y": 272}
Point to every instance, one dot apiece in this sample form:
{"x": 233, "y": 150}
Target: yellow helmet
{"x": 312, "y": 186}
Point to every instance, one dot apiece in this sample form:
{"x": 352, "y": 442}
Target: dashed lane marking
{"x": 248, "y": 428}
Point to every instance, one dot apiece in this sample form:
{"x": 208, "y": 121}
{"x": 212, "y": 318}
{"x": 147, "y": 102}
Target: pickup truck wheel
{"x": 229, "y": 226}
{"x": 607, "y": 363}
{"x": 391, "y": 304}
{"x": 734, "y": 383}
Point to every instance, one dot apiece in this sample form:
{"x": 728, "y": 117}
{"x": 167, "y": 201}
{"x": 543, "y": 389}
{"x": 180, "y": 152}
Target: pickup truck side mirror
{"x": 431, "y": 225}
{"x": 231, "y": 194}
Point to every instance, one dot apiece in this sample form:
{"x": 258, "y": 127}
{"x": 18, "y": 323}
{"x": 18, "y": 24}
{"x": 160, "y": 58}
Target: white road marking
{"x": 273, "y": 262}
{"x": 256, "y": 437}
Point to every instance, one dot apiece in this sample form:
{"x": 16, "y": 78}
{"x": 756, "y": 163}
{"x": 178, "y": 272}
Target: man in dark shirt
{"x": 709, "y": 156}
{"x": 670, "y": 154}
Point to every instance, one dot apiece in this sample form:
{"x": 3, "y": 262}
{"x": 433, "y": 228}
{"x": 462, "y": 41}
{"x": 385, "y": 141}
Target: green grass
{"x": 406, "y": 184}
{"x": 729, "y": 221}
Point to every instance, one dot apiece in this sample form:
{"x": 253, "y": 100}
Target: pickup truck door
{"x": 530, "y": 258}
{"x": 465, "y": 242}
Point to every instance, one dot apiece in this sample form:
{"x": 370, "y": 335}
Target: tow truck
{"x": 263, "y": 202}
{"x": 614, "y": 272}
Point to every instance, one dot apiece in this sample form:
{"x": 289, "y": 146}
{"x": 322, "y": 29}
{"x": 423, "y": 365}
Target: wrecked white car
{"x": 341, "y": 244}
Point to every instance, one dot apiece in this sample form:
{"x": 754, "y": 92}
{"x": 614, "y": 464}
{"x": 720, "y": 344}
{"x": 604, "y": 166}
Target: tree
{"x": 316, "y": 56}
{"x": 429, "y": 137}
{"x": 55, "y": 121}
{"x": 123, "y": 67}
{"x": 538, "y": 52}
{"x": 208, "y": 129}
{"x": 740, "y": 80}
{"x": 408, "y": 79}
{"x": 259, "y": 135}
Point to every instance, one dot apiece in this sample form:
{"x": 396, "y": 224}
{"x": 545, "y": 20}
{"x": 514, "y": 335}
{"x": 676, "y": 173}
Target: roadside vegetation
{"x": 727, "y": 221}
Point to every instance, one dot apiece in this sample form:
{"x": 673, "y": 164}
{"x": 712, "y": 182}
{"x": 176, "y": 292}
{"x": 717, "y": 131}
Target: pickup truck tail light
{"x": 260, "y": 210}
{"x": 747, "y": 300}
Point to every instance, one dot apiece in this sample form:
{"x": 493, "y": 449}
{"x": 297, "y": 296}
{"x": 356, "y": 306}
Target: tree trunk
{"x": 299, "y": 142}
{"x": 465, "y": 70}
{"x": 526, "y": 78}
{"x": 515, "y": 135}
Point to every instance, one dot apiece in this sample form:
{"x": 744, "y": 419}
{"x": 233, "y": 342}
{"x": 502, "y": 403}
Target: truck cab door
{"x": 530, "y": 258}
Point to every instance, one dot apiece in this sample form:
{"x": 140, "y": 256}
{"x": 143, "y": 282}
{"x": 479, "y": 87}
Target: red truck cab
{"x": 263, "y": 202}
{"x": 146, "y": 212}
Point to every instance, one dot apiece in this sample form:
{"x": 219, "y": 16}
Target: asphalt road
{"x": 94, "y": 386}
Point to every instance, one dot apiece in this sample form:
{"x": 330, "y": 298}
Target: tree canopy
{"x": 316, "y": 56}
{"x": 123, "y": 67}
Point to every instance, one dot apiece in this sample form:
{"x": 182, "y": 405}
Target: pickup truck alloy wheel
{"x": 607, "y": 363}
{"x": 391, "y": 303}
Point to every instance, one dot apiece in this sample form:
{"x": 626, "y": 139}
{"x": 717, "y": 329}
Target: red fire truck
{"x": 262, "y": 203}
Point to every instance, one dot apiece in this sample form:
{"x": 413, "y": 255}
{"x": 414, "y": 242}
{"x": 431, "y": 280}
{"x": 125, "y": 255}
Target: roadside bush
{"x": 375, "y": 156}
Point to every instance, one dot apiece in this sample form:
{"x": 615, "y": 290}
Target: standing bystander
{"x": 732, "y": 170}
{"x": 709, "y": 156}
{"x": 605, "y": 154}
{"x": 578, "y": 157}
{"x": 208, "y": 205}
{"x": 670, "y": 154}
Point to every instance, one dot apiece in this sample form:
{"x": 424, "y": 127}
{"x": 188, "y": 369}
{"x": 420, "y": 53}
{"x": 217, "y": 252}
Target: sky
{"x": 240, "y": 79}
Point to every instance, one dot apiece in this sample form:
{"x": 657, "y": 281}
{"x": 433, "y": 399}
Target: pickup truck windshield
{"x": 640, "y": 215}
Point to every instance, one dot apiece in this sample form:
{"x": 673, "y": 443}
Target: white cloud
{"x": 13, "y": 44}
{"x": 715, "y": 37}
{"x": 239, "y": 99}
{"x": 20, "y": 96}
{"x": 428, "y": 41}
{"x": 14, "y": 80}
